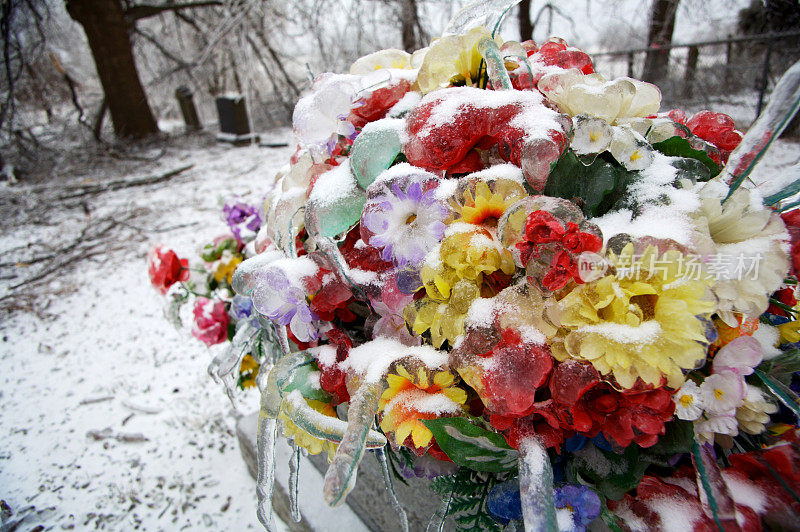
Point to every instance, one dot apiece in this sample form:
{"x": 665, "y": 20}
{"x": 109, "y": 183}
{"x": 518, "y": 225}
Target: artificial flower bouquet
{"x": 216, "y": 310}
{"x": 492, "y": 267}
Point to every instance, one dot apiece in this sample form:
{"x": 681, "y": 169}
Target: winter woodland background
{"x": 107, "y": 418}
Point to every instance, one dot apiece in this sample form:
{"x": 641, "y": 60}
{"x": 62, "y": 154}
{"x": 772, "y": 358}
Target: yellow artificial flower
{"x": 463, "y": 275}
{"x": 481, "y": 202}
{"x": 305, "y": 440}
{"x": 411, "y": 398}
{"x": 226, "y": 265}
{"x": 248, "y": 370}
{"x": 644, "y": 321}
{"x": 454, "y": 60}
{"x": 789, "y": 332}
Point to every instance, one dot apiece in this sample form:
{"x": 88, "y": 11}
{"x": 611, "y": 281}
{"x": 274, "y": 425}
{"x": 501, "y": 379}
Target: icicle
{"x": 294, "y": 483}
{"x": 223, "y": 366}
{"x": 783, "y": 104}
{"x": 436, "y": 522}
{"x": 495, "y": 65}
{"x": 265, "y": 449}
{"x": 265, "y": 481}
{"x": 320, "y": 425}
{"x": 536, "y": 487}
{"x": 341, "y": 475}
{"x": 335, "y": 257}
{"x": 380, "y": 454}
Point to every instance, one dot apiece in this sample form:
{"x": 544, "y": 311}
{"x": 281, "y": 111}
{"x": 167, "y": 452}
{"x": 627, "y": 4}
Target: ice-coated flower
{"x": 241, "y": 307}
{"x": 166, "y": 268}
{"x": 240, "y": 217}
{"x": 722, "y": 393}
{"x": 417, "y": 394}
{"x": 592, "y": 135}
{"x": 576, "y": 93}
{"x": 403, "y": 216}
{"x": 469, "y": 265}
{"x": 321, "y": 117}
{"x": 453, "y": 60}
{"x": 647, "y": 321}
{"x": 283, "y": 300}
{"x": 688, "y": 401}
{"x": 739, "y": 356}
{"x": 744, "y": 246}
{"x": 630, "y": 149}
{"x": 303, "y": 439}
{"x": 753, "y": 413}
{"x": 226, "y": 265}
{"x": 210, "y": 321}
{"x": 576, "y": 507}
{"x": 426, "y": 466}
{"x": 248, "y": 370}
{"x": 483, "y": 197}
{"x": 388, "y": 58}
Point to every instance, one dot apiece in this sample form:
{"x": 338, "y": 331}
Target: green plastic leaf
{"x": 691, "y": 169}
{"x": 783, "y": 366}
{"x": 609, "y": 473}
{"x": 374, "y": 150}
{"x": 599, "y": 185}
{"x": 677, "y": 439}
{"x": 780, "y": 391}
{"x": 680, "y": 147}
{"x": 471, "y": 446}
{"x": 786, "y": 192}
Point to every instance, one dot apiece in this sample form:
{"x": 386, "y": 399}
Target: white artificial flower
{"x": 722, "y": 393}
{"x": 592, "y": 135}
{"x": 630, "y": 149}
{"x": 706, "y": 428}
{"x": 753, "y": 413}
{"x": 688, "y": 401}
{"x": 389, "y": 58}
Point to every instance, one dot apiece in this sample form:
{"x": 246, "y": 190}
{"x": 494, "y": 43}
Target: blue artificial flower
{"x": 504, "y": 501}
{"x": 579, "y": 503}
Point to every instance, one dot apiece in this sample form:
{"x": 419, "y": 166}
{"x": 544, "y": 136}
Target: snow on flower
{"x": 210, "y": 321}
{"x": 166, "y": 268}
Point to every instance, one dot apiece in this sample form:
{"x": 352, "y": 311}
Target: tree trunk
{"x": 409, "y": 20}
{"x": 662, "y": 24}
{"x": 108, "y": 34}
{"x": 525, "y": 26}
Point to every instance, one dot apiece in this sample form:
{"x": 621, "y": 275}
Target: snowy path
{"x": 107, "y": 359}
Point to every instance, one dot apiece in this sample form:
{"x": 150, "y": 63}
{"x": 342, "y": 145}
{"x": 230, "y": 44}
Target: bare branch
{"x": 141, "y": 11}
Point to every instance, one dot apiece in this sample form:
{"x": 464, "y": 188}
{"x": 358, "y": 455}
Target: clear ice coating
{"x": 436, "y": 522}
{"x": 265, "y": 480}
{"x": 536, "y": 487}
{"x": 294, "y": 483}
{"x": 223, "y": 366}
{"x": 488, "y": 13}
{"x": 374, "y": 150}
{"x": 245, "y": 276}
{"x": 335, "y": 203}
{"x": 380, "y": 454}
{"x": 783, "y": 105}
{"x": 495, "y": 65}
{"x": 341, "y": 475}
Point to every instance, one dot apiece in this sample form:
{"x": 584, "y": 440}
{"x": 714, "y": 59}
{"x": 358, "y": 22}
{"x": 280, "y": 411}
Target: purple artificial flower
{"x": 284, "y": 302}
{"x": 576, "y": 506}
{"x": 426, "y": 466}
{"x": 403, "y": 216}
{"x": 241, "y": 307}
{"x": 240, "y": 215}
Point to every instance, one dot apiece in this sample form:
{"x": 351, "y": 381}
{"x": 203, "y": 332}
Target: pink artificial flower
{"x": 739, "y": 356}
{"x": 210, "y": 321}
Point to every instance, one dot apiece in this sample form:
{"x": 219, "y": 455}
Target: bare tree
{"x": 659, "y": 38}
{"x": 525, "y": 26}
{"x": 413, "y": 34}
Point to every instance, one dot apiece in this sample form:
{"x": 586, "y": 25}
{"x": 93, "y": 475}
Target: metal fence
{"x": 733, "y": 75}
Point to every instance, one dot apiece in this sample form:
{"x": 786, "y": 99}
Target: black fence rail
{"x": 736, "y": 73}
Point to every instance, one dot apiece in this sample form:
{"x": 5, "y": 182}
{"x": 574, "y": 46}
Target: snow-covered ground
{"x": 107, "y": 417}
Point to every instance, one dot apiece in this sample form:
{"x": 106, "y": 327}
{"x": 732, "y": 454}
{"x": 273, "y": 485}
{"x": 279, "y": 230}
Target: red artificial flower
{"x": 333, "y": 380}
{"x": 785, "y": 296}
{"x": 716, "y": 128}
{"x": 516, "y": 370}
{"x": 377, "y": 104}
{"x": 542, "y": 227}
{"x": 166, "y": 269}
{"x": 563, "y": 269}
{"x": 362, "y": 257}
{"x": 575, "y": 241}
{"x": 542, "y": 423}
{"x": 792, "y": 221}
{"x": 211, "y": 321}
{"x": 589, "y": 406}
